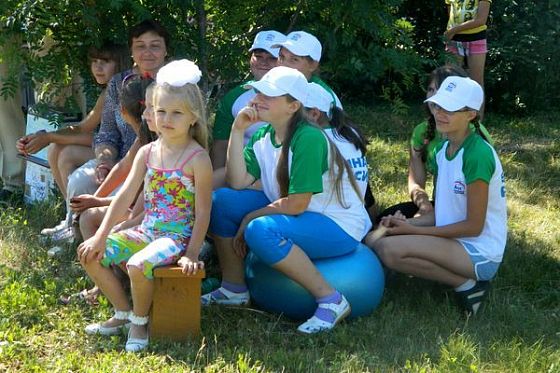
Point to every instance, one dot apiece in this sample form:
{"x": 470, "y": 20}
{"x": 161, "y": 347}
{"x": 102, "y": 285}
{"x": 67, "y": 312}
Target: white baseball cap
{"x": 302, "y": 43}
{"x": 266, "y": 39}
{"x": 318, "y": 98}
{"x": 456, "y": 92}
{"x": 282, "y": 80}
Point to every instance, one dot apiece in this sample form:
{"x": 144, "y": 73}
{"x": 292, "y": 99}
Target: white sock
{"x": 467, "y": 285}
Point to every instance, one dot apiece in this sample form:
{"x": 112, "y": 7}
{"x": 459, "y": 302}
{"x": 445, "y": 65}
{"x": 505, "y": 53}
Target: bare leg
{"x": 297, "y": 266}
{"x": 433, "y": 258}
{"x": 110, "y": 285}
{"x": 230, "y": 264}
{"x": 70, "y": 158}
{"x": 90, "y": 220}
{"x": 476, "y": 67}
{"x": 52, "y": 156}
{"x": 476, "y": 72}
{"x": 219, "y": 178}
{"x": 142, "y": 290}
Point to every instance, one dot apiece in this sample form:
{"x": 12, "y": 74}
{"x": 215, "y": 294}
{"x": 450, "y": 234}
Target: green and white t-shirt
{"x": 475, "y": 160}
{"x": 308, "y": 161}
{"x": 237, "y": 99}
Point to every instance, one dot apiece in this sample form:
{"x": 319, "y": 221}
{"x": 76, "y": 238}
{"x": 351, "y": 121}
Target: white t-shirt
{"x": 475, "y": 160}
{"x": 354, "y": 156}
{"x": 308, "y": 163}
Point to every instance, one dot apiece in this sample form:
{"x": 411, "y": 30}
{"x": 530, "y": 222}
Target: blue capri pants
{"x": 271, "y": 237}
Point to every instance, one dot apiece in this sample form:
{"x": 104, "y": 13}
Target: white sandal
{"x": 137, "y": 344}
{"x": 98, "y": 328}
{"x": 316, "y": 325}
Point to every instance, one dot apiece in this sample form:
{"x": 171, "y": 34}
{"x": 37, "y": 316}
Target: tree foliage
{"x": 372, "y": 49}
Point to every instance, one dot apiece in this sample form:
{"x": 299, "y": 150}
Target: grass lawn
{"x": 417, "y": 327}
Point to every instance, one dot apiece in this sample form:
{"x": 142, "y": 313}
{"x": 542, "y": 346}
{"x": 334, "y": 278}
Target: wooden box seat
{"x": 175, "y": 312}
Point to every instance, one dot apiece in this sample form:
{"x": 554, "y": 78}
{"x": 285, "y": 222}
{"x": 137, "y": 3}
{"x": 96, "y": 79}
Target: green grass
{"x": 417, "y": 327}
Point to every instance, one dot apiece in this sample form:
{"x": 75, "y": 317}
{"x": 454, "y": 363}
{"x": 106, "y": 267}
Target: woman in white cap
{"x": 302, "y": 51}
{"x": 310, "y": 205}
{"x": 263, "y": 58}
{"x": 461, "y": 243}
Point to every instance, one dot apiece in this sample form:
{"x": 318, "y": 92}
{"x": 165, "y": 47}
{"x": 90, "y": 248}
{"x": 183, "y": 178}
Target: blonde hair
{"x": 192, "y": 97}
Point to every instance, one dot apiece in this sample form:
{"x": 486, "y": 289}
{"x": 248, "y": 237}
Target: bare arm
{"x": 202, "y": 171}
{"x": 94, "y": 247}
{"x": 119, "y": 172}
{"x": 477, "y": 202}
{"x": 79, "y": 134}
{"x": 135, "y": 217}
{"x": 417, "y": 182}
{"x": 236, "y": 168}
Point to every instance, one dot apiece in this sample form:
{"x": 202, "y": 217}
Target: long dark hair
{"x": 346, "y": 129}
{"x": 132, "y": 96}
{"x": 337, "y": 165}
{"x": 438, "y": 76}
{"x": 282, "y": 168}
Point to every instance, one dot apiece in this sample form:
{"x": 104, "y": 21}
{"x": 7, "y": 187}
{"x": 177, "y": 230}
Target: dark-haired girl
{"x": 310, "y": 206}
{"x": 425, "y": 138}
{"x": 460, "y": 243}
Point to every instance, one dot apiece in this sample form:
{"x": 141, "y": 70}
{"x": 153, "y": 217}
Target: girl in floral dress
{"x": 177, "y": 176}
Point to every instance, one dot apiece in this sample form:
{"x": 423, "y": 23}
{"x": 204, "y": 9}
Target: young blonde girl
{"x": 177, "y": 176}
{"x": 462, "y": 241}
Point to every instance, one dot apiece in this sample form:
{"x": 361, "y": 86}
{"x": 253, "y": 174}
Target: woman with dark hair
{"x": 148, "y": 42}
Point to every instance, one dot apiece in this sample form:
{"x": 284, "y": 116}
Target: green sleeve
{"x": 310, "y": 153}
{"x": 418, "y": 136}
{"x": 478, "y": 161}
{"x": 224, "y": 117}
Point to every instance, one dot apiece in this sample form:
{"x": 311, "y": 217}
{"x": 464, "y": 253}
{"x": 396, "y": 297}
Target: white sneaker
{"x": 51, "y": 231}
{"x": 55, "y": 251}
{"x": 227, "y": 298}
{"x": 65, "y": 236}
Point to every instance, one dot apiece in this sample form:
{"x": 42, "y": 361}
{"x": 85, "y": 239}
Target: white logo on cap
{"x": 450, "y": 87}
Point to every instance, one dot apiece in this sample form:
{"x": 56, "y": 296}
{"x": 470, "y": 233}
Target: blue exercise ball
{"x": 358, "y": 275}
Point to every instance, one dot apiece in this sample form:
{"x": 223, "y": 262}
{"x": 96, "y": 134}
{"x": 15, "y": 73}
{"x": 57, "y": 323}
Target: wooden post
{"x": 175, "y": 310}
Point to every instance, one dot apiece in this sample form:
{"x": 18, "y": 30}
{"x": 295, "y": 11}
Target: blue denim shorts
{"x": 484, "y": 268}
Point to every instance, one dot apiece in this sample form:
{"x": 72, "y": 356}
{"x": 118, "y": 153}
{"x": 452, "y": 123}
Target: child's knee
{"x": 135, "y": 273}
{"x": 266, "y": 241}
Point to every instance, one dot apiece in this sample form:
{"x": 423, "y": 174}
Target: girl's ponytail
{"x": 282, "y": 169}
{"x": 348, "y": 130}
{"x": 476, "y": 123}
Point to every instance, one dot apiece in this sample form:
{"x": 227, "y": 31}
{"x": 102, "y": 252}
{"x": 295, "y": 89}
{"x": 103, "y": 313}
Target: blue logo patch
{"x": 450, "y": 87}
{"x": 295, "y": 37}
{"x": 459, "y": 187}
